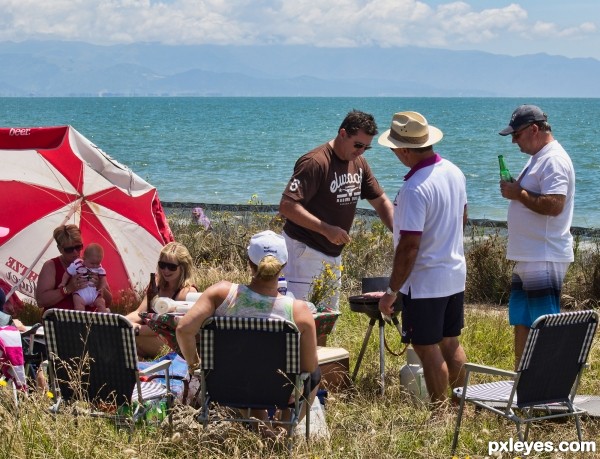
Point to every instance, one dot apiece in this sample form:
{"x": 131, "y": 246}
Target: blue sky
{"x": 568, "y": 28}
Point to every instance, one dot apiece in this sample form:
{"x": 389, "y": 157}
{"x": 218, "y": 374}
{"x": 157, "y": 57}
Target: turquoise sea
{"x": 224, "y": 150}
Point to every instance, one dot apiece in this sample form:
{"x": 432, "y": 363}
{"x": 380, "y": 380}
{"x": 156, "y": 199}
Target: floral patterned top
{"x": 243, "y": 302}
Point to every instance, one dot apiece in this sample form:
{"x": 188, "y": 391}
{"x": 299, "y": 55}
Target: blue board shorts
{"x": 535, "y": 290}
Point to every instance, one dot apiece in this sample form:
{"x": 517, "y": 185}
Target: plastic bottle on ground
{"x": 412, "y": 377}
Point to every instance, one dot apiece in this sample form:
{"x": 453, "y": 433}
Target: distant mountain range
{"x": 56, "y": 68}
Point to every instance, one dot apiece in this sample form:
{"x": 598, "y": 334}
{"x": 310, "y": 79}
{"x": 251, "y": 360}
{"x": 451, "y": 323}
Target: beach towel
{"x": 11, "y": 356}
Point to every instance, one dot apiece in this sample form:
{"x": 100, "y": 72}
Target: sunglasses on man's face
{"x": 166, "y": 265}
{"x": 517, "y": 134}
{"x": 73, "y": 248}
{"x": 359, "y": 146}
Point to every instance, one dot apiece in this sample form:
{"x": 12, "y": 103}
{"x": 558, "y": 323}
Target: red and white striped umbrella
{"x": 50, "y": 176}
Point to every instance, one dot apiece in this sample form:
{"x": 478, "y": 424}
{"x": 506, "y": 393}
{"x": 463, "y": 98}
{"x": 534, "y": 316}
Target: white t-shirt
{"x": 432, "y": 202}
{"x": 536, "y": 237}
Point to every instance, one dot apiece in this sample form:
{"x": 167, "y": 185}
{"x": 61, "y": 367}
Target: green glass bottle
{"x": 504, "y": 173}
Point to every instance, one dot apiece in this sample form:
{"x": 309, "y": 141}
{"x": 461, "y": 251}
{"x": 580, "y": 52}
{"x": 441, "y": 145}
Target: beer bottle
{"x": 152, "y": 291}
{"x": 504, "y": 173}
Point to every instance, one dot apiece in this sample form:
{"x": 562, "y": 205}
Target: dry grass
{"x": 362, "y": 423}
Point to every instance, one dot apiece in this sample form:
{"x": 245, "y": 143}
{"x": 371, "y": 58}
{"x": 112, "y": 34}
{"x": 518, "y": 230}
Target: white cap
{"x": 3, "y": 231}
{"x": 267, "y": 243}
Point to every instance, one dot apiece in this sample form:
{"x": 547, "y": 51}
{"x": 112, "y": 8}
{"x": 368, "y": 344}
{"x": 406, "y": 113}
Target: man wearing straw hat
{"x": 429, "y": 269}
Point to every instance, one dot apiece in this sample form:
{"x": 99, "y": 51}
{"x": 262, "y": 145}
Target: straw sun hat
{"x": 410, "y": 130}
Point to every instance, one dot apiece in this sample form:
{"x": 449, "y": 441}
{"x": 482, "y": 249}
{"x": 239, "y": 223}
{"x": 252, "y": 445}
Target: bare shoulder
{"x": 302, "y": 314}
{"x": 218, "y": 290}
{"x": 48, "y": 264}
{"x": 48, "y": 271}
{"x": 301, "y": 305}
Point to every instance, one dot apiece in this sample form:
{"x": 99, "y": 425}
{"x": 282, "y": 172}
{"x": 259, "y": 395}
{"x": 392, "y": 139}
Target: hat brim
{"x": 506, "y": 131}
{"x": 435, "y": 135}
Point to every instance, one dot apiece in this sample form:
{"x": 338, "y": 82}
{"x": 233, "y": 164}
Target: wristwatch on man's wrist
{"x": 391, "y": 292}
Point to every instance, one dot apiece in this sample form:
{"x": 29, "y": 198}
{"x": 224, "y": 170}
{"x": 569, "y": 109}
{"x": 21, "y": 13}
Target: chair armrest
{"x": 476, "y": 368}
{"x": 31, "y": 331}
{"x": 159, "y": 366}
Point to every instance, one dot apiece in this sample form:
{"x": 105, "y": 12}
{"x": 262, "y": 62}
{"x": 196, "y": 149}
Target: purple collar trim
{"x": 425, "y": 163}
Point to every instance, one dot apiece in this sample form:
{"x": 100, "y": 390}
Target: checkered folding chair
{"x": 546, "y": 381}
{"x": 251, "y": 363}
{"x": 92, "y": 357}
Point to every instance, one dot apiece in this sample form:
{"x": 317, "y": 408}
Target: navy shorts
{"x": 427, "y": 321}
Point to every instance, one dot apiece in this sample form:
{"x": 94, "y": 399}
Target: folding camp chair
{"x": 34, "y": 352}
{"x": 251, "y": 363}
{"x": 12, "y": 372}
{"x": 546, "y": 381}
{"x": 92, "y": 356}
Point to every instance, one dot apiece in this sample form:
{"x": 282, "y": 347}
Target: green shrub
{"x": 488, "y": 270}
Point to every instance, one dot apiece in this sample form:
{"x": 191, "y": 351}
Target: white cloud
{"x": 348, "y": 23}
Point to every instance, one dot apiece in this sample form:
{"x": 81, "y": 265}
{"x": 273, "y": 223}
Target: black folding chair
{"x": 546, "y": 381}
{"x": 251, "y": 363}
{"x": 92, "y": 357}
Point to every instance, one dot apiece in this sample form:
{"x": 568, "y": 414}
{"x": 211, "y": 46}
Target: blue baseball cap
{"x": 522, "y": 116}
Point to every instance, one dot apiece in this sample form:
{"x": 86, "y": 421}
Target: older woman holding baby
{"x": 49, "y": 292}
{"x": 174, "y": 276}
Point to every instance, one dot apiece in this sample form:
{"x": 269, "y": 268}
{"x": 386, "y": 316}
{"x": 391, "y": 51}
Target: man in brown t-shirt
{"x": 320, "y": 201}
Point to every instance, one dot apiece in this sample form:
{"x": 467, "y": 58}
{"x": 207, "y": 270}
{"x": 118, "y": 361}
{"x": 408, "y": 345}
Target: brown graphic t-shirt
{"x": 328, "y": 188}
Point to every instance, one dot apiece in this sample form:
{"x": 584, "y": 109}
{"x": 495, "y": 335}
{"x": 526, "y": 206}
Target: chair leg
{"x": 578, "y": 425}
{"x": 528, "y": 414}
{"x": 307, "y": 416}
{"x": 458, "y": 422}
{"x": 519, "y": 431}
{"x": 170, "y": 404}
{"x": 382, "y": 355}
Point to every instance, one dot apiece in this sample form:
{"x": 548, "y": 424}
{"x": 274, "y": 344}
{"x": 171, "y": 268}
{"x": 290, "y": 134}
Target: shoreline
{"x": 173, "y": 206}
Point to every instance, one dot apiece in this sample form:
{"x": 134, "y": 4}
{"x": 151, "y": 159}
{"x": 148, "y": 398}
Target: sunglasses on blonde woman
{"x": 166, "y": 265}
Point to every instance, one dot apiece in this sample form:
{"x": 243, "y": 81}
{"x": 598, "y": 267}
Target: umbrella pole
{"x": 24, "y": 276}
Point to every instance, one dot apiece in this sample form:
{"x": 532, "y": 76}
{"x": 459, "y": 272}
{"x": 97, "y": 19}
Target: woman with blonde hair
{"x": 174, "y": 278}
{"x": 267, "y": 254}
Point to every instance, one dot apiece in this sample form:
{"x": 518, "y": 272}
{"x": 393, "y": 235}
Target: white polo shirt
{"x": 536, "y": 237}
{"x": 431, "y": 202}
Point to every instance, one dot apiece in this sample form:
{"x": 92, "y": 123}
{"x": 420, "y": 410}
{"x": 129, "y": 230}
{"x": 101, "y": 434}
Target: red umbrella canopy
{"x": 50, "y": 176}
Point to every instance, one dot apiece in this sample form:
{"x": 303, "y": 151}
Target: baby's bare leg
{"x": 100, "y": 305}
{"x": 78, "y": 302}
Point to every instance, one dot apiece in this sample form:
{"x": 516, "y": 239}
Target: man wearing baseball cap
{"x": 539, "y": 219}
{"x": 267, "y": 255}
{"x": 429, "y": 270}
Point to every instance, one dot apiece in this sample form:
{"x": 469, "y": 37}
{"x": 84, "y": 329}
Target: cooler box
{"x": 335, "y": 365}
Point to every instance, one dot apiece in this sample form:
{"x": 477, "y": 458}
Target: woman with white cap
{"x": 267, "y": 254}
